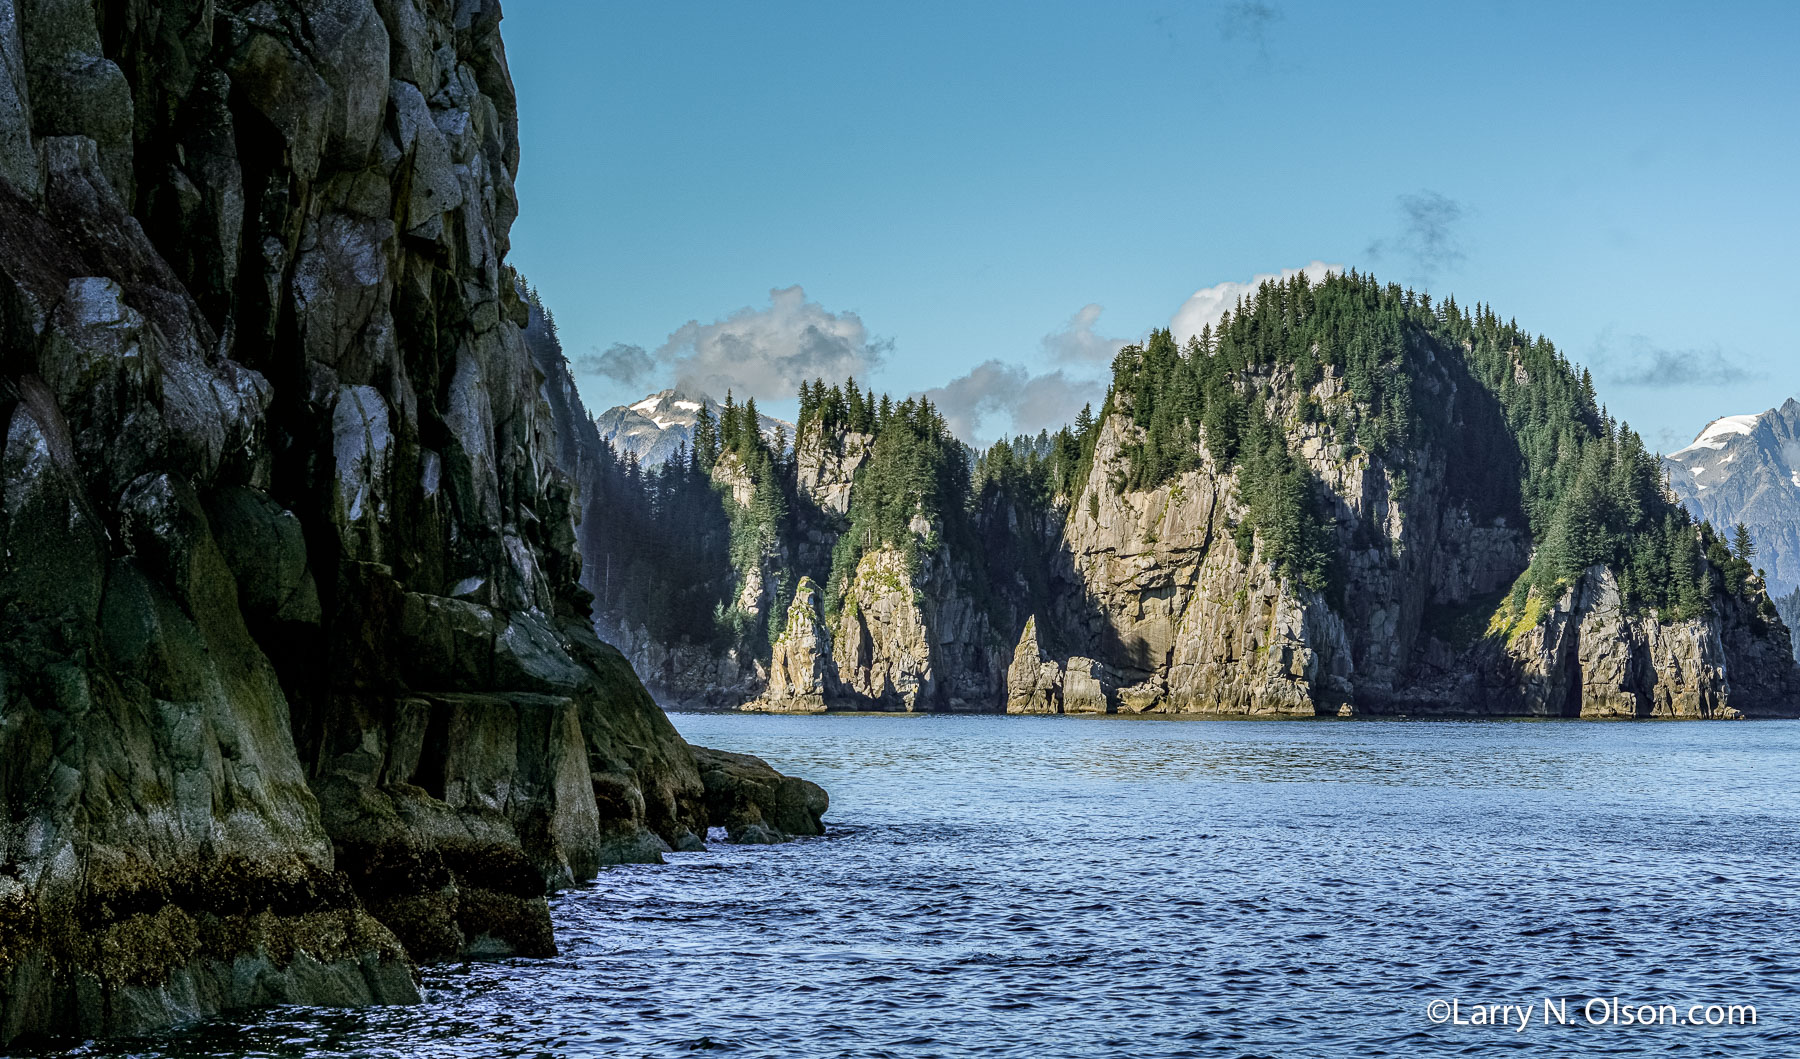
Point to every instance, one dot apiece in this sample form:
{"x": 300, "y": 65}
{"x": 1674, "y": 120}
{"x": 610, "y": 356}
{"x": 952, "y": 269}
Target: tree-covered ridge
{"x": 1417, "y": 386}
{"x": 1587, "y": 488}
{"x": 844, "y": 407}
{"x": 1592, "y": 493}
{"x": 916, "y": 471}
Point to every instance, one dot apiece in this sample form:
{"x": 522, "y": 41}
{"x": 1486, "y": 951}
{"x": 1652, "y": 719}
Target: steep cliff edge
{"x": 1346, "y": 499}
{"x": 1397, "y": 530}
{"x": 1158, "y": 591}
{"x": 300, "y": 687}
{"x": 1183, "y": 620}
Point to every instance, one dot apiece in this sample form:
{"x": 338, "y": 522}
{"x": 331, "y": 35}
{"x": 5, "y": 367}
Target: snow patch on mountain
{"x": 1746, "y": 468}
{"x": 1720, "y": 431}
{"x": 657, "y": 427}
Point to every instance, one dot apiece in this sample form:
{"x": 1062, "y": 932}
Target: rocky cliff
{"x": 1410, "y": 530}
{"x": 300, "y": 688}
{"x": 908, "y": 633}
{"x": 1182, "y": 620}
{"x": 1183, "y": 614}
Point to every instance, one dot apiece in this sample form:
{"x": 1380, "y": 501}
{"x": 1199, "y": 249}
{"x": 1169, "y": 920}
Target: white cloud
{"x": 1027, "y": 402}
{"x": 1208, "y": 304}
{"x": 769, "y": 352}
{"x": 1078, "y": 343}
{"x": 999, "y": 399}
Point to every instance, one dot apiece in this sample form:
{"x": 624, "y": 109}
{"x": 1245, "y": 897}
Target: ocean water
{"x": 1054, "y": 886}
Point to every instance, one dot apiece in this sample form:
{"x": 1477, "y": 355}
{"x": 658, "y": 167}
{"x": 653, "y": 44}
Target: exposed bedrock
{"x": 799, "y": 661}
{"x": 1180, "y": 617}
{"x": 754, "y": 803}
{"x": 298, "y": 687}
{"x": 1162, "y": 600}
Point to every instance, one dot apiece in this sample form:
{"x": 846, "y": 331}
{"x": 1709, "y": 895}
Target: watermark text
{"x": 1552, "y": 1012}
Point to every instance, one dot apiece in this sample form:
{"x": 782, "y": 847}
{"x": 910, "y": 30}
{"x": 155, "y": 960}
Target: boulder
{"x": 756, "y": 804}
{"x": 1082, "y": 690}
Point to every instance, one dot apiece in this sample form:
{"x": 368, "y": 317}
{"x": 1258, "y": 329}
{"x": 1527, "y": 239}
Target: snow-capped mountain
{"x": 1746, "y": 468}
{"x": 655, "y": 427}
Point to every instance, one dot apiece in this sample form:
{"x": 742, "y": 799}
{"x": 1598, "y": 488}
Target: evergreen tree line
{"x": 1044, "y": 466}
{"x": 840, "y": 408}
{"x": 1591, "y": 492}
{"x": 663, "y": 559}
{"x": 1584, "y": 483}
{"x": 916, "y": 469}
{"x": 1519, "y": 428}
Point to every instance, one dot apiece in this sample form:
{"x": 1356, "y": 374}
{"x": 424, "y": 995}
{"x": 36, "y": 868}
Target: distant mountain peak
{"x": 1746, "y": 468}
{"x": 1721, "y": 430}
{"x": 655, "y": 428}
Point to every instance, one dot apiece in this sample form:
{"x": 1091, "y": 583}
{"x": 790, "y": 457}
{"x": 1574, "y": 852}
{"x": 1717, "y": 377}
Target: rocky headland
{"x": 1441, "y": 521}
{"x": 298, "y": 685}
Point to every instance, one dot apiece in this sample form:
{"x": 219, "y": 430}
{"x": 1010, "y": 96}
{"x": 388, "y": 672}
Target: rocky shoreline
{"x": 300, "y": 686}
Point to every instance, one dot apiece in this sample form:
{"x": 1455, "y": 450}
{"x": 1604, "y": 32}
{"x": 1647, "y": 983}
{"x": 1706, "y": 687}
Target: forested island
{"x": 1345, "y": 497}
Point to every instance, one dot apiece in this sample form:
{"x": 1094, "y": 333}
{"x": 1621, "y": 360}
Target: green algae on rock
{"x": 298, "y": 686}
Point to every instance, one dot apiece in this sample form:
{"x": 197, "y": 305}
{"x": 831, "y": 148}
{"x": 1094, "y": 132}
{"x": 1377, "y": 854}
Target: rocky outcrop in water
{"x": 300, "y": 686}
{"x": 754, "y": 803}
{"x": 1033, "y": 681}
{"x": 1183, "y": 619}
{"x": 799, "y": 663}
{"x": 882, "y": 653}
{"x": 1587, "y": 656}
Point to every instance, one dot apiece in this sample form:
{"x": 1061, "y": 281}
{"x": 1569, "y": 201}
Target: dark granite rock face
{"x": 298, "y": 686}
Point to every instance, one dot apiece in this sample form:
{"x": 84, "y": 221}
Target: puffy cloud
{"x": 769, "y": 352}
{"x": 1206, "y": 305}
{"x": 1429, "y": 240}
{"x": 1079, "y": 344}
{"x": 621, "y": 363}
{"x": 1028, "y": 402}
{"x": 1010, "y": 399}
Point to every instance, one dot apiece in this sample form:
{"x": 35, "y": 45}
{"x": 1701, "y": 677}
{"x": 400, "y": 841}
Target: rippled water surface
{"x": 1023, "y": 886}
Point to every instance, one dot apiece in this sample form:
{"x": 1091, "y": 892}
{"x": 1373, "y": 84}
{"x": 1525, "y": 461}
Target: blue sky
{"x": 954, "y": 187}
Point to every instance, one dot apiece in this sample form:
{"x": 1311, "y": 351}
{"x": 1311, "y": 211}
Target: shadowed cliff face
{"x": 297, "y": 682}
